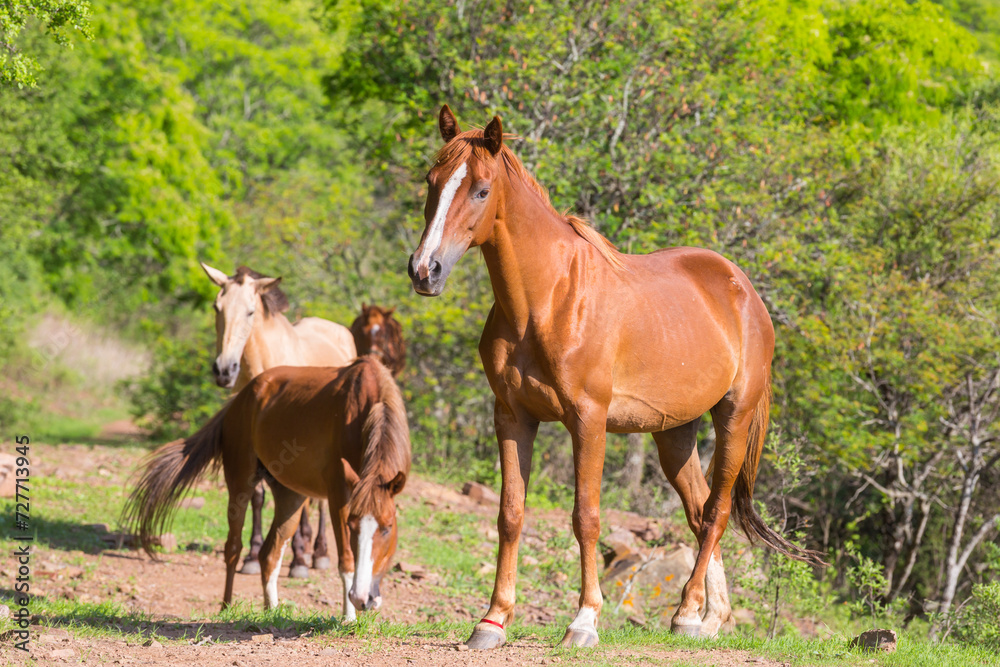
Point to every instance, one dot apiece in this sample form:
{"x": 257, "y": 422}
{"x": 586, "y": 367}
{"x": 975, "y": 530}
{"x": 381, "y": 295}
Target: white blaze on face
{"x": 436, "y": 231}
{"x": 349, "y": 612}
{"x": 365, "y": 564}
{"x": 272, "y": 581}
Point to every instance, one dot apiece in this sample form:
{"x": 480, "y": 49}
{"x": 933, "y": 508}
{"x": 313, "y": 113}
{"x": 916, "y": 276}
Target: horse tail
{"x": 746, "y": 514}
{"x": 169, "y": 473}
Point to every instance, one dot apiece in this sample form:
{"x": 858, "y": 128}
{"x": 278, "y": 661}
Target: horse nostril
{"x": 409, "y": 268}
{"x": 234, "y": 367}
{"x": 215, "y": 367}
{"x": 435, "y": 268}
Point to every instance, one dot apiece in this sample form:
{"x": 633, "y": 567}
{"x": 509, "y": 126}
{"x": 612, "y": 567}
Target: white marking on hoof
{"x": 272, "y": 581}
{"x": 585, "y": 621}
{"x": 717, "y": 607}
{"x": 350, "y": 614}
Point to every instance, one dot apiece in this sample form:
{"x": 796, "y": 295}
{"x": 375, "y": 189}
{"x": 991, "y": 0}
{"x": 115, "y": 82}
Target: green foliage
{"x": 978, "y": 622}
{"x": 178, "y": 395}
{"x": 59, "y": 17}
{"x": 867, "y": 583}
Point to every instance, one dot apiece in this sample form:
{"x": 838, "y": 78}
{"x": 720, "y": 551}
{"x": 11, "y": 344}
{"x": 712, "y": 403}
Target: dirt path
{"x": 180, "y": 595}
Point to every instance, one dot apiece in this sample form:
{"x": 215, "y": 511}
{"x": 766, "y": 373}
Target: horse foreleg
{"x": 287, "y": 510}
{"x": 345, "y": 557}
{"x": 588, "y": 431}
{"x": 516, "y": 437}
{"x": 731, "y": 427}
{"x": 321, "y": 550}
{"x": 251, "y": 565}
{"x": 681, "y": 464}
{"x": 300, "y": 544}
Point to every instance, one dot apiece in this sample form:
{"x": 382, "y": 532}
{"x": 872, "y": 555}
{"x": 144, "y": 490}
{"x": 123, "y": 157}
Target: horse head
{"x": 242, "y": 297}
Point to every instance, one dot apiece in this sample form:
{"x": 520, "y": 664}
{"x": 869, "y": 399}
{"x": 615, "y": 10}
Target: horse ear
{"x": 350, "y": 475}
{"x": 216, "y": 276}
{"x": 447, "y": 124}
{"x": 267, "y": 284}
{"x": 397, "y": 483}
{"x": 390, "y": 311}
{"x": 493, "y": 134}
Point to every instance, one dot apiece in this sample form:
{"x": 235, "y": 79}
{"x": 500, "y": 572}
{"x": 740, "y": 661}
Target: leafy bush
{"x": 978, "y": 622}
{"x": 177, "y": 395}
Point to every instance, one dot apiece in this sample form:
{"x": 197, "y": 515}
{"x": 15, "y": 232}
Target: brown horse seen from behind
{"x": 602, "y": 342}
{"x": 335, "y": 433}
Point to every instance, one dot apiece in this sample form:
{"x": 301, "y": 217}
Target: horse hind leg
{"x": 241, "y": 486}
{"x": 321, "y": 549}
{"x": 299, "y": 568}
{"x": 707, "y": 586}
{"x": 287, "y": 510}
{"x": 251, "y": 565}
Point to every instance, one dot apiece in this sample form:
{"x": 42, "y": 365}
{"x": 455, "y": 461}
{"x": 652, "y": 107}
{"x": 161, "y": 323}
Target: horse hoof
{"x": 713, "y": 627}
{"x": 579, "y": 639}
{"x": 299, "y": 572}
{"x": 321, "y": 563}
{"x": 686, "y": 630}
{"x": 485, "y": 637}
{"x": 250, "y": 567}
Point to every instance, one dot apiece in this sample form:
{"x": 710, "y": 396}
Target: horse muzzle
{"x": 225, "y": 374}
{"x": 428, "y": 278}
{"x": 366, "y": 601}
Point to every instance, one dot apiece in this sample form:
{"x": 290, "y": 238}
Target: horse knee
{"x": 510, "y": 520}
{"x": 587, "y": 523}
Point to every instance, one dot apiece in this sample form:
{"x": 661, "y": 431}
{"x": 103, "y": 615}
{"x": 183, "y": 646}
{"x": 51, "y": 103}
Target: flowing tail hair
{"x": 751, "y": 522}
{"x": 386, "y": 434}
{"x": 169, "y": 473}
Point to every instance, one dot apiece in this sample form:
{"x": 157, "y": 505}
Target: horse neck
{"x": 527, "y": 253}
{"x": 272, "y": 342}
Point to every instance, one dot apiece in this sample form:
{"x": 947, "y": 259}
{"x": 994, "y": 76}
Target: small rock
{"x": 461, "y": 647}
{"x": 528, "y": 560}
{"x": 4, "y": 611}
{"x": 875, "y": 640}
{"x": 329, "y": 651}
{"x": 486, "y": 568}
{"x": 195, "y": 503}
{"x": 481, "y": 493}
{"x": 152, "y": 643}
{"x": 8, "y": 479}
{"x": 167, "y": 541}
{"x": 263, "y": 639}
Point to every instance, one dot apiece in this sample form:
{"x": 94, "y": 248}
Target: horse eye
{"x": 483, "y": 194}
{"x": 250, "y": 314}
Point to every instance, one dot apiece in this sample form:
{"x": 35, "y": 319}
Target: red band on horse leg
{"x": 486, "y": 620}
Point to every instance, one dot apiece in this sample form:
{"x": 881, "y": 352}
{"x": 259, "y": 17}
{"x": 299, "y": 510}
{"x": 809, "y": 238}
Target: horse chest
{"x": 517, "y": 377}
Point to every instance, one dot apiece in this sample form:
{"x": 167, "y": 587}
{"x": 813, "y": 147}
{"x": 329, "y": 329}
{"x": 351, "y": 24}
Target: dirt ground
{"x": 183, "y": 590}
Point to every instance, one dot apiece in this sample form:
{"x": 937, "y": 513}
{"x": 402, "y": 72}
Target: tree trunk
{"x": 635, "y": 462}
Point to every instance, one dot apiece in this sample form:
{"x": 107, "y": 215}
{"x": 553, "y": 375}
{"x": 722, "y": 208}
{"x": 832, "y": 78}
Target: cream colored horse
{"x": 253, "y": 335}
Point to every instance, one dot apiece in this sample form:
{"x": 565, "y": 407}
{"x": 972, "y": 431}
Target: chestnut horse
{"x": 305, "y": 431}
{"x": 377, "y": 332}
{"x": 602, "y": 342}
{"x": 252, "y": 335}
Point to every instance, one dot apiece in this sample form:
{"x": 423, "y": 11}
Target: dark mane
{"x": 472, "y": 144}
{"x": 386, "y": 439}
{"x": 275, "y": 301}
{"x": 393, "y": 349}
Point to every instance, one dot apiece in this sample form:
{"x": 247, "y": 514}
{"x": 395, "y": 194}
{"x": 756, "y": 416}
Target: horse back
{"x": 325, "y": 343}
